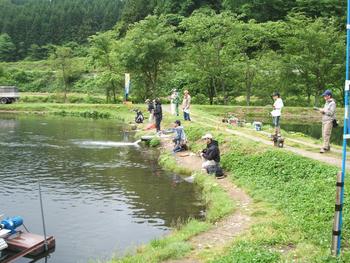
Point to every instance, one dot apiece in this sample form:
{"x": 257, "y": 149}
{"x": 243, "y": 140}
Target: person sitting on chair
{"x": 180, "y": 137}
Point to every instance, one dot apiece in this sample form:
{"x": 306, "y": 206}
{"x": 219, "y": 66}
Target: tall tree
{"x": 63, "y": 64}
{"x": 103, "y": 57}
{"x": 7, "y": 48}
{"x": 206, "y": 37}
{"x": 314, "y": 52}
{"x": 147, "y": 51}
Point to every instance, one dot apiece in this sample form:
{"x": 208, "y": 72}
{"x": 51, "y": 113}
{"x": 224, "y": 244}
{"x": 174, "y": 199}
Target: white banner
{"x": 127, "y": 83}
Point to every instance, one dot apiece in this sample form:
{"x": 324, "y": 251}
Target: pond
{"x": 314, "y": 130}
{"x": 100, "y": 197}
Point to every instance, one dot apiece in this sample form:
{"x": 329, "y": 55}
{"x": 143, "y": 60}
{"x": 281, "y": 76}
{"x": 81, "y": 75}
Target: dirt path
{"x": 225, "y": 230}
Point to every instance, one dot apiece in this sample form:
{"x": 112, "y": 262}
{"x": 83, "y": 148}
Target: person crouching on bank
{"x": 211, "y": 157}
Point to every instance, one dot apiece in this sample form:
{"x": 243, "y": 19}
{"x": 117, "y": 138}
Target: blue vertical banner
{"x": 346, "y": 136}
{"x": 127, "y": 85}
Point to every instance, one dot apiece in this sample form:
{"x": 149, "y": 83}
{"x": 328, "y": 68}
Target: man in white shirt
{"x": 276, "y": 113}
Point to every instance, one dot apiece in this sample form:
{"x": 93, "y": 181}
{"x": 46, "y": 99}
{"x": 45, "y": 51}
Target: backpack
{"x": 215, "y": 169}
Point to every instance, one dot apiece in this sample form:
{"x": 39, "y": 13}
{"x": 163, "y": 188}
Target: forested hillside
{"x": 34, "y": 24}
{"x": 223, "y": 51}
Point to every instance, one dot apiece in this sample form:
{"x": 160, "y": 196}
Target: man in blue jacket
{"x": 180, "y": 137}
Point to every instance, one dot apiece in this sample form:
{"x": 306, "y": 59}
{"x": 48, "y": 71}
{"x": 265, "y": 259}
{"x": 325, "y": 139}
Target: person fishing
{"x": 186, "y": 103}
{"x": 150, "y": 109}
{"x": 276, "y": 113}
{"x": 175, "y": 101}
{"x": 328, "y": 119}
{"x": 211, "y": 157}
{"x": 158, "y": 113}
{"x": 179, "y": 138}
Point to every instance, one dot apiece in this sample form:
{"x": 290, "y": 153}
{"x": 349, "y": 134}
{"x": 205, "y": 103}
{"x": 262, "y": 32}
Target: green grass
{"x": 173, "y": 246}
{"x": 109, "y": 111}
{"x": 167, "y": 161}
{"x": 219, "y": 204}
{"x": 300, "y": 189}
{"x": 155, "y": 142}
{"x": 28, "y": 97}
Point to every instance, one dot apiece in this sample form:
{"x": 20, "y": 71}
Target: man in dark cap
{"x": 180, "y": 137}
{"x": 328, "y": 116}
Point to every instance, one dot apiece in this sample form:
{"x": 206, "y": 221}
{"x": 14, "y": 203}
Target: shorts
{"x": 276, "y": 121}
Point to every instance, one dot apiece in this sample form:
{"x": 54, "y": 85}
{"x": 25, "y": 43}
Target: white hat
{"x": 207, "y": 136}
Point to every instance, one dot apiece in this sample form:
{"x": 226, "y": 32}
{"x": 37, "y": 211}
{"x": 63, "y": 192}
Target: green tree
{"x": 314, "y": 53}
{"x": 261, "y": 10}
{"x": 63, "y": 64}
{"x": 208, "y": 53}
{"x": 43, "y": 22}
{"x": 147, "y": 51}
{"x": 104, "y": 58}
{"x": 7, "y": 48}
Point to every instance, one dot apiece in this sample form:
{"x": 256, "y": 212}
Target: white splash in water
{"x": 106, "y": 143}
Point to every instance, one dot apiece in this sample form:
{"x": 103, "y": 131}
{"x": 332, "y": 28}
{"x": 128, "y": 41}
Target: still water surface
{"x": 99, "y": 198}
{"x": 314, "y": 130}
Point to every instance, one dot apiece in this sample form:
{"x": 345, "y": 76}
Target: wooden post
{"x": 337, "y": 214}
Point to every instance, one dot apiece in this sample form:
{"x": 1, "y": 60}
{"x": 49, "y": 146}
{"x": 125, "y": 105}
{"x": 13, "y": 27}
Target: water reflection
{"x": 97, "y": 200}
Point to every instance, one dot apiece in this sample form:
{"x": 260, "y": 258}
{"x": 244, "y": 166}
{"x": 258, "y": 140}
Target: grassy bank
{"x": 107, "y": 111}
{"x": 293, "y": 202}
{"x": 293, "y": 198}
{"x": 294, "y": 205}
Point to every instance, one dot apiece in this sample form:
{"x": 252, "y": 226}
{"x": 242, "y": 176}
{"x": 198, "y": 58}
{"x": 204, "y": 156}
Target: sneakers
{"x": 323, "y": 150}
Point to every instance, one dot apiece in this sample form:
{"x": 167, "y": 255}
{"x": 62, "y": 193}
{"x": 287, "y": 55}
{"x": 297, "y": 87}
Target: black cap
{"x": 178, "y": 122}
{"x": 276, "y": 93}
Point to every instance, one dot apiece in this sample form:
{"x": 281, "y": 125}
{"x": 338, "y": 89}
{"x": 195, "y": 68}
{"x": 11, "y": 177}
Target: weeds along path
{"x": 316, "y": 156}
{"x": 224, "y": 231}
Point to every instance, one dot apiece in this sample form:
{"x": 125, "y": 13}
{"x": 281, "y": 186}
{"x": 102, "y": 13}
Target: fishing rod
{"x": 338, "y": 220}
{"x": 42, "y": 216}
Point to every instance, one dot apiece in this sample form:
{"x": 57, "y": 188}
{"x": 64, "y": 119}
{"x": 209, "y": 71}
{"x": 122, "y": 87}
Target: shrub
{"x": 154, "y": 142}
{"x": 200, "y": 99}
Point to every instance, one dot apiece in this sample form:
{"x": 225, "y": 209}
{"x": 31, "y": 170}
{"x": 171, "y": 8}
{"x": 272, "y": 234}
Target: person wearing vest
{"x": 328, "y": 116}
